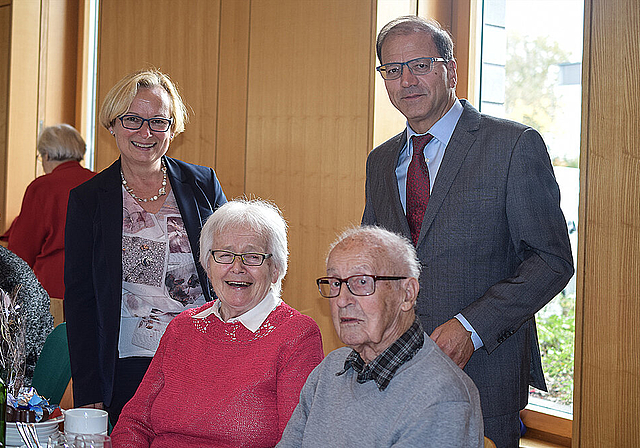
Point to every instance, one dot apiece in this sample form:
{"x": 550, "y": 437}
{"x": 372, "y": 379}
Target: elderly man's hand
{"x": 455, "y": 341}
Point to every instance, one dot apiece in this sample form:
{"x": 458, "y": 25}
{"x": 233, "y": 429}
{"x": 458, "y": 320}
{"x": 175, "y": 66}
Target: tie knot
{"x": 420, "y": 141}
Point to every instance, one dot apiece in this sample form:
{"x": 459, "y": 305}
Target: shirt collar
{"x": 442, "y": 130}
{"x": 252, "y": 319}
{"x": 383, "y": 368}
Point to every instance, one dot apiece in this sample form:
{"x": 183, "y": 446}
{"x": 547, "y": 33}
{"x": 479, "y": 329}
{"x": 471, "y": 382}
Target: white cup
{"x": 85, "y": 421}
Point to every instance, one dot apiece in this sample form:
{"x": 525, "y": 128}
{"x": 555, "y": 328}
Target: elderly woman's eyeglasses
{"x": 358, "y": 285}
{"x": 248, "y": 258}
{"x": 419, "y": 66}
{"x": 134, "y": 122}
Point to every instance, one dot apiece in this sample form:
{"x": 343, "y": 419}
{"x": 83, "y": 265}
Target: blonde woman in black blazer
{"x": 111, "y": 340}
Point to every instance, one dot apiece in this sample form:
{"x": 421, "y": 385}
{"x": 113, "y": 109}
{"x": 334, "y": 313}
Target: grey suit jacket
{"x": 493, "y": 245}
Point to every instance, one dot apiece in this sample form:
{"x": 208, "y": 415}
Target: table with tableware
{"x": 83, "y": 428}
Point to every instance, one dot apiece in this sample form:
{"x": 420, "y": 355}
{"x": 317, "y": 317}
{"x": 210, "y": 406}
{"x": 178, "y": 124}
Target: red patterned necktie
{"x": 418, "y": 186}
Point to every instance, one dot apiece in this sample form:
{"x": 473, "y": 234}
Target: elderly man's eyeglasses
{"x": 248, "y": 258}
{"x": 134, "y": 122}
{"x": 419, "y": 66}
{"x": 358, "y": 285}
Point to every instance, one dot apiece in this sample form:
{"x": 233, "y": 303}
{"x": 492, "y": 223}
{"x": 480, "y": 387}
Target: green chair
{"x": 53, "y": 369}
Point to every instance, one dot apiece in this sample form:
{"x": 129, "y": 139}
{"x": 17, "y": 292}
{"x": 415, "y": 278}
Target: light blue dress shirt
{"x": 433, "y": 154}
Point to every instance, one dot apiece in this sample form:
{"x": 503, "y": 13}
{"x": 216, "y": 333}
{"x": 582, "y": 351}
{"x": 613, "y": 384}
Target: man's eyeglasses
{"x": 248, "y": 258}
{"x": 358, "y": 285}
{"x": 134, "y": 122}
{"x": 419, "y": 66}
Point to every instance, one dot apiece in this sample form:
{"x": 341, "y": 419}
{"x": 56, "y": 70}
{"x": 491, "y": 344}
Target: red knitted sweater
{"x": 37, "y": 234}
{"x": 215, "y": 384}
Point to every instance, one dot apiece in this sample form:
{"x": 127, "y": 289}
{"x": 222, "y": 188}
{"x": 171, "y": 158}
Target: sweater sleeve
{"x": 294, "y": 431}
{"x": 28, "y": 231}
{"x": 443, "y": 424}
{"x": 298, "y": 360}
{"x": 134, "y": 428}
{"x": 539, "y": 236}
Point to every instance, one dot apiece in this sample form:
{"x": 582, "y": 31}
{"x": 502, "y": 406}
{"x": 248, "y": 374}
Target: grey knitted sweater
{"x": 429, "y": 402}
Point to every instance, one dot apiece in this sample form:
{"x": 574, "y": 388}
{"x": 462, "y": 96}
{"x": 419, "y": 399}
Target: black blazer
{"x": 493, "y": 245}
{"x": 93, "y": 267}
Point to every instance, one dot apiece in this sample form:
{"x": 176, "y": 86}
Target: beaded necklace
{"x": 161, "y": 191}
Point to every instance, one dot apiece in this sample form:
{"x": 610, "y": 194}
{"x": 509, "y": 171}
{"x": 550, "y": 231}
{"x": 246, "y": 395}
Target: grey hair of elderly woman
{"x": 391, "y": 248}
{"x": 61, "y": 142}
{"x": 257, "y": 215}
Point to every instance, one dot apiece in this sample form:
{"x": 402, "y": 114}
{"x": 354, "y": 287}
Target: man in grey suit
{"x": 481, "y": 204}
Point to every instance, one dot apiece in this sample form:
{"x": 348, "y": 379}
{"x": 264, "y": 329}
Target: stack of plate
{"x": 43, "y": 429}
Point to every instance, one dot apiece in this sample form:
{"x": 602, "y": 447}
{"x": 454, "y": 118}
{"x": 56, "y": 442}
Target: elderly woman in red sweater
{"x": 37, "y": 233}
{"x": 228, "y": 374}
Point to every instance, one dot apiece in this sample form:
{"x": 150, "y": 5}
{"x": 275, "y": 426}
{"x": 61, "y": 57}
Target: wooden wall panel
{"x": 309, "y": 128}
{"x": 607, "y": 385}
{"x": 5, "y": 46}
{"x": 61, "y": 62}
{"x": 22, "y": 119}
{"x": 178, "y": 38}
{"x": 231, "y": 126}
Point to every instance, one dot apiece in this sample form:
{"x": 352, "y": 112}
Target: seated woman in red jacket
{"x": 228, "y": 374}
{"x": 37, "y": 234}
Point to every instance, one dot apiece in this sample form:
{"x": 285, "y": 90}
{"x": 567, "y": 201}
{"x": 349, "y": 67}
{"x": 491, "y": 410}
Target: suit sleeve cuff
{"x": 475, "y": 338}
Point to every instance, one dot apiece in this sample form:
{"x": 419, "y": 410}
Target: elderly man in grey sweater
{"x": 393, "y": 386}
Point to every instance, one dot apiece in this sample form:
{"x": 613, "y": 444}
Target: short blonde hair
{"x": 120, "y": 97}
{"x": 61, "y": 142}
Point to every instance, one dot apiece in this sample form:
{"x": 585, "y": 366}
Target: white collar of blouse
{"x": 252, "y": 319}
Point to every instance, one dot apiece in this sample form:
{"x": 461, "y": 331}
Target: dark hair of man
{"x": 413, "y": 24}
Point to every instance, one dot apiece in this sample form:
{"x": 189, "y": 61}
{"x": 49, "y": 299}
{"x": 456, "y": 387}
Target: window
{"x": 530, "y": 72}
{"x": 89, "y": 95}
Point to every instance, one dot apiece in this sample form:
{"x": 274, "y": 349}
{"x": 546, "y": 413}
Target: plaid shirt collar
{"x": 382, "y": 369}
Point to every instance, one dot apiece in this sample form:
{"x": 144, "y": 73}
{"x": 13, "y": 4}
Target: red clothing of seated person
{"x": 37, "y": 234}
{"x": 217, "y": 384}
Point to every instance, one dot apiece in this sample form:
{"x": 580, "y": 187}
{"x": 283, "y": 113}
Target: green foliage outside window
{"x": 556, "y": 334}
{"x": 530, "y": 97}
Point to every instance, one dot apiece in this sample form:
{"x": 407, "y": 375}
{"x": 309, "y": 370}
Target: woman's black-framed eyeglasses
{"x": 134, "y": 122}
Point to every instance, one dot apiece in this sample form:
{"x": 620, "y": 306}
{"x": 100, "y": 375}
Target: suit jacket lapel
{"x": 461, "y": 141}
